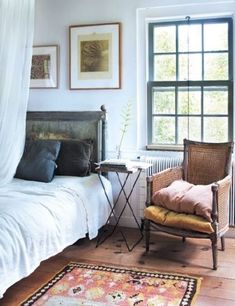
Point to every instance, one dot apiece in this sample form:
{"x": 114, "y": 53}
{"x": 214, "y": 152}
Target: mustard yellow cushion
{"x": 167, "y": 217}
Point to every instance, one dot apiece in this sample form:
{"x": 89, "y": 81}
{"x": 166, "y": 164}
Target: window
{"x": 190, "y": 87}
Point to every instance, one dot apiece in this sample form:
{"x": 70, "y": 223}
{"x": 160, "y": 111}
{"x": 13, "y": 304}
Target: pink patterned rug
{"x": 97, "y": 285}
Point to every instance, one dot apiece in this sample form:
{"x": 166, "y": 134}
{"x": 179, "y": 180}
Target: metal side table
{"x": 137, "y": 167}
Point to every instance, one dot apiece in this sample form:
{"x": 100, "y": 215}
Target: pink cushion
{"x": 184, "y": 197}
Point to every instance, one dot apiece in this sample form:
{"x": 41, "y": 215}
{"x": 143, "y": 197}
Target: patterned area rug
{"x": 96, "y": 285}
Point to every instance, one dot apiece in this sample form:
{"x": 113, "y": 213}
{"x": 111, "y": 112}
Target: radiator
{"x": 162, "y": 163}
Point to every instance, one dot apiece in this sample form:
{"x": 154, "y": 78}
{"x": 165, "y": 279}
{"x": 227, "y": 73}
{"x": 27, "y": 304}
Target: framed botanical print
{"x": 44, "y": 69}
{"x": 95, "y": 59}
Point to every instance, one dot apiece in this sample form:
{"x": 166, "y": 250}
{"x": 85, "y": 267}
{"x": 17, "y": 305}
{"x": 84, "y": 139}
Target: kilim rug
{"x": 98, "y": 285}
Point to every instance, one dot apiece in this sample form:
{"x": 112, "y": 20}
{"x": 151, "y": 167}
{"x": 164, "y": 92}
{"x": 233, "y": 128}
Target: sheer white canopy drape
{"x": 16, "y": 39}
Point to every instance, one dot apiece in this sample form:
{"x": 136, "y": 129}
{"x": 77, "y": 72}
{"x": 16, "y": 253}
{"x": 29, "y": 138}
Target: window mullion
{"x": 203, "y": 54}
{"x": 202, "y": 113}
{"x": 176, "y": 115}
{"x": 151, "y": 52}
{"x": 177, "y": 79}
{"x": 177, "y": 52}
{"x": 230, "y": 49}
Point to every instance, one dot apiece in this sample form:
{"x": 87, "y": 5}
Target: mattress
{"x": 38, "y": 220}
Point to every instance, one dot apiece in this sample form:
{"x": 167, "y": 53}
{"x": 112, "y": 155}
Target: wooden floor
{"x": 167, "y": 253}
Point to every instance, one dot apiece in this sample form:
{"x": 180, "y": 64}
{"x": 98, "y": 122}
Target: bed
{"x": 39, "y": 219}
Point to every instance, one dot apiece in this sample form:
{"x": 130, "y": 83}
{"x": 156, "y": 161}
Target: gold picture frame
{"x": 95, "y": 56}
{"x": 44, "y": 69}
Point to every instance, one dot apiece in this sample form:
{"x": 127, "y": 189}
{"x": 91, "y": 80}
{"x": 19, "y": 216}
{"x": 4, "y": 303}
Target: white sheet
{"x": 38, "y": 220}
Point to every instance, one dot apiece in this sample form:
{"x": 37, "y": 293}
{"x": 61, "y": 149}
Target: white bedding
{"x": 38, "y": 220}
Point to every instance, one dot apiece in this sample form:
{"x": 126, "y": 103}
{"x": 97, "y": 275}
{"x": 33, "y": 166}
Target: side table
{"x": 135, "y": 167}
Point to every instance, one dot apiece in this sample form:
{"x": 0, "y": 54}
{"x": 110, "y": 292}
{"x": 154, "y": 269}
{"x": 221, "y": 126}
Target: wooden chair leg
{"x": 214, "y": 252}
{"x": 142, "y": 224}
{"x": 222, "y": 243}
{"x": 147, "y": 234}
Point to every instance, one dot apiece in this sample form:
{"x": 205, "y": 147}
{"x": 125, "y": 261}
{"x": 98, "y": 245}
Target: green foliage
{"x": 164, "y": 101}
{"x": 164, "y": 38}
{"x": 216, "y": 66}
{"x": 164, "y": 130}
{"x": 165, "y": 68}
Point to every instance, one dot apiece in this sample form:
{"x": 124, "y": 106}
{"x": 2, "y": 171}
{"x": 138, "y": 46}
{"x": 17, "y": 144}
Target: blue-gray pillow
{"x": 38, "y": 160}
{"x": 74, "y": 158}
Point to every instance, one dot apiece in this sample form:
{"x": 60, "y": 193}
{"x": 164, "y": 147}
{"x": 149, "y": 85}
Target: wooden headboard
{"x": 81, "y": 125}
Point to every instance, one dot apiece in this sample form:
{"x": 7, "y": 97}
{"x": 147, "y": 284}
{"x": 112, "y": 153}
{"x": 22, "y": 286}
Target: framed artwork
{"x": 44, "y": 69}
{"x": 95, "y": 56}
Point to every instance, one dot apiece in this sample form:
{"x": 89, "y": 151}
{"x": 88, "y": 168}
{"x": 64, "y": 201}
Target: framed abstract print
{"x": 44, "y": 69}
{"x": 95, "y": 59}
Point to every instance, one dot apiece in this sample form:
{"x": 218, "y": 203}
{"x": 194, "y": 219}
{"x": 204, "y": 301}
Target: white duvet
{"x": 38, "y": 220}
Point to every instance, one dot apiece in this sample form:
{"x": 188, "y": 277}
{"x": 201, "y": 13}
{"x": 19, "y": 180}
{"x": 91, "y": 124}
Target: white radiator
{"x": 162, "y": 163}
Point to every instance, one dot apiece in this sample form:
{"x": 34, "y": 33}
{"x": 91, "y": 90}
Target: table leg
{"x": 127, "y": 197}
{"x": 112, "y": 213}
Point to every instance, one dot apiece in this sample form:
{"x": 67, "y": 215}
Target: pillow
{"x": 38, "y": 160}
{"x": 184, "y": 197}
{"x": 74, "y": 158}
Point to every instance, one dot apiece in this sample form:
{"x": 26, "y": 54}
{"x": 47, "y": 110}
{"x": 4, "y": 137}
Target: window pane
{"x": 193, "y": 96}
{"x": 164, "y": 68}
{"x": 195, "y": 67}
{"x": 216, "y": 66}
{"x": 164, "y": 39}
{"x": 164, "y": 100}
{"x": 164, "y": 130}
{"x": 216, "y": 129}
{"x": 216, "y": 100}
{"x": 194, "y": 128}
{"x": 216, "y": 37}
{"x": 190, "y": 38}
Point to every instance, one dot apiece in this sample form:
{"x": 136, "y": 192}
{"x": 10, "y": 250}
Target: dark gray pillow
{"x": 74, "y": 158}
{"x": 38, "y": 160}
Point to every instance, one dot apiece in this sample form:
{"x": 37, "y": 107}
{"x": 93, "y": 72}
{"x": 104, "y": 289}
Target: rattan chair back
{"x": 205, "y": 163}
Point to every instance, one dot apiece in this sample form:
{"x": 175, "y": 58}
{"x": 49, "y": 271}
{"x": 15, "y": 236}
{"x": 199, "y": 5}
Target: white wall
{"x": 53, "y": 18}
{"x": 52, "y": 21}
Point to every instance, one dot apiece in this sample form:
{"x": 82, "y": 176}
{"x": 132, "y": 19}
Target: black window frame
{"x": 189, "y": 83}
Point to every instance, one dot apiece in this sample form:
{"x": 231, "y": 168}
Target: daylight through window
{"x": 190, "y": 81}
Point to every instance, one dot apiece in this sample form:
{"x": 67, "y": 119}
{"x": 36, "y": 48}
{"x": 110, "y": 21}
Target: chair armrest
{"x": 165, "y": 178}
{"x": 220, "y": 208}
{"x": 162, "y": 179}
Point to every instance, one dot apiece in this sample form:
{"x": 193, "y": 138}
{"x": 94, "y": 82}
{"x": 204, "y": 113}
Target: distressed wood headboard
{"x": 82, "y": 125}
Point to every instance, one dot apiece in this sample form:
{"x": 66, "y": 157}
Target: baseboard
{"x": 230, "y": 233}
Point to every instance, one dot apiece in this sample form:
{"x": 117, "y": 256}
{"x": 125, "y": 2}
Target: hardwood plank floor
{"x": 167, "y": 253}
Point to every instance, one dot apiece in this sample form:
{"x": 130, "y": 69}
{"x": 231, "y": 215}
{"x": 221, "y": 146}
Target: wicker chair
{"x": 204, "y": 163}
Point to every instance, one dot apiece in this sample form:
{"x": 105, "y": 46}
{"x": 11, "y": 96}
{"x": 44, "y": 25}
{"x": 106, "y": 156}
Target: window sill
{"x": 165, "y": 147}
